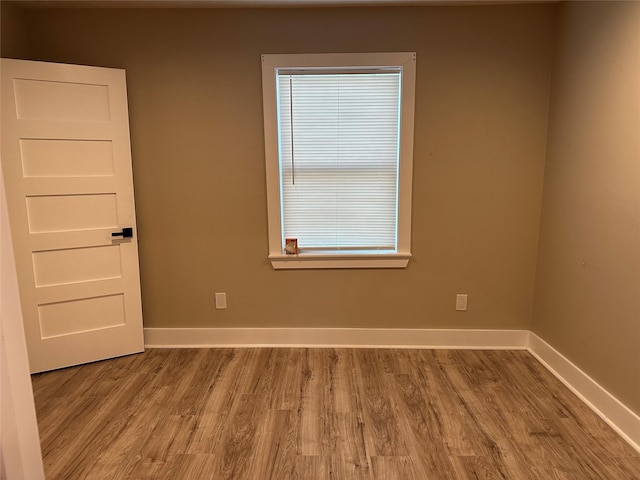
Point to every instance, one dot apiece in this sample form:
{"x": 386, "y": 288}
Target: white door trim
{"x": 20, "y": 442}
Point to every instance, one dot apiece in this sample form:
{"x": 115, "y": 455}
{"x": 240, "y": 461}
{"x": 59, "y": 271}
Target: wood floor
{"x": 321, "y": 414}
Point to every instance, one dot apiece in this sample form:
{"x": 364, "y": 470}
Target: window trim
{"x": 273, "y": 62}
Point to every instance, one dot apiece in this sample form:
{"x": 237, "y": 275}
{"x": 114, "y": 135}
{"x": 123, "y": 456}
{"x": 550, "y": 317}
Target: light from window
{"x": 339, "y": 144}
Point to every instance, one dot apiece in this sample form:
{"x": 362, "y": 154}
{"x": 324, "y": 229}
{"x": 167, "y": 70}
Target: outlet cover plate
{"x": 461, "y": 302}
{"x": 221, "y": 301}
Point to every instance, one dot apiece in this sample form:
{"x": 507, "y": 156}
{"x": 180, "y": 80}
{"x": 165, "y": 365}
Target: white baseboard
{"x": 334, "y": 337}
{"x": 611, "y": 410}
{"x": 625, "y": 422}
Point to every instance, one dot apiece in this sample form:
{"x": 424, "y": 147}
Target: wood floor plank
{"x": 275, "y": 452}
{"x": 194, "y": 388}
{"x": 309, "y": 407}
{"x": 396, "y": 468}
{"x": 47, "y": 386}
{"x": 424, "y": 427}
{"x": 286, "y": 386}
{"x": 344, "y": 440}
{"x": 188, "y": 466}
{"x": 82, "y": 440}
{"x": 459, "y": 429}
{"x": 127, "y": 446}
{"x": 342, "y": 468}
{"x": 478, "y": 468}
{"x": 312, "y": 467}
{"x": 343, "y": 385}
{"x": 322, "y": 414}
{"x": 239, "y": 439}
{"x": 226, "y": 385}
{"x": 379, "y": 411}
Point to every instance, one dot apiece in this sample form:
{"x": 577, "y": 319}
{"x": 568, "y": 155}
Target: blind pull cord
{"x": 293, "y": 168}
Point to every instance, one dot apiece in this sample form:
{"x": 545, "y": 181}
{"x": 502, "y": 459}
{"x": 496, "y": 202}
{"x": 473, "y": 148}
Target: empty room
{"x": 320, "y": 239}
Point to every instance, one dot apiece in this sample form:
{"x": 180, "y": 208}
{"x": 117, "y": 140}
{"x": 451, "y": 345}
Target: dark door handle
{"x": 126, "y": 232}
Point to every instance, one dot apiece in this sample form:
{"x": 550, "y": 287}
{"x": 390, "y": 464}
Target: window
{"x": 339, "y": 154}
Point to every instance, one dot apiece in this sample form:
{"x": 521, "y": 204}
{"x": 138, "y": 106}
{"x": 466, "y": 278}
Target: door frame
{"x": 21, "y": 451}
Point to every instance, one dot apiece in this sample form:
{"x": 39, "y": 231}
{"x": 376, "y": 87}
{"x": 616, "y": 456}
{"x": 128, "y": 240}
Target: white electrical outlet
{"x": 221, "y": 301}
{"x": 461, "y": 301}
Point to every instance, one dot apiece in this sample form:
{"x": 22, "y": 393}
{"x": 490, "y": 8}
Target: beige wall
{"x": 198, "y": 158}
{"x": 588, "y": 282}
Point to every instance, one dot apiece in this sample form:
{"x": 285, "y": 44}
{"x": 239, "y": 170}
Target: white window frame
{"x": 406, "y": 61}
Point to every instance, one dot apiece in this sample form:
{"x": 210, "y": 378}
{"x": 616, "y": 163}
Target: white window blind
{"x": 339, "y": 158}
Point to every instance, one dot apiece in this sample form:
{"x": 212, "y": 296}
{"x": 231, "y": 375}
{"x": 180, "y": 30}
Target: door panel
{"x": 76, "y": 265}
{"x": 46, "y": 99}
{"x": 67, "y": 166}
{"x": 86, "y": 314}
{"x": 66, "y": 158}
{"x": 64, "y": 213}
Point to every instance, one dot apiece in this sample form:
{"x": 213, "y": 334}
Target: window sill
{"x": 318, "y": 261}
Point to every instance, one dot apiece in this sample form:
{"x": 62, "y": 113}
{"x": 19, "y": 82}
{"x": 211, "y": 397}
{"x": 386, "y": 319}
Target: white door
{"x": 66, "y": 160}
